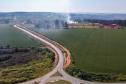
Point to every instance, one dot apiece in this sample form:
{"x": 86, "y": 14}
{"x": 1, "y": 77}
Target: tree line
{"x": 119, "y": 22}
{"x": 100, "y": 77}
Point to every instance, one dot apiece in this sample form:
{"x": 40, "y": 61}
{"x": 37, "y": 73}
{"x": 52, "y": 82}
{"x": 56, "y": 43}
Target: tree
{"x": 7, "y": 46}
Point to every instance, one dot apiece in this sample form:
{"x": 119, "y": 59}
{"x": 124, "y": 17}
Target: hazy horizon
{"x": 64, "y": 6}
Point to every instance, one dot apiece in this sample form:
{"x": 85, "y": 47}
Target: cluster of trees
{"x": 5, "y": 21}
{"x": 29, "y": 65}
{"x": 49, "y": 54}
{"x": 55, "y": 24}
{"x": 9, "y": 50}
{"x": 4, "y": 47}
{"x": 61, "y": 24}
{"x": 119, "y": 22}
{"x": 76, "y": 72}
{"x": 18, "y": 54}
{"x": 5, "y": 57}
{"x": 7, "y": 53}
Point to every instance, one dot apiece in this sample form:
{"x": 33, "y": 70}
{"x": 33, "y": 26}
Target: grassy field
{"x": 94, "y": 50}
{"x": 11, "y": 36}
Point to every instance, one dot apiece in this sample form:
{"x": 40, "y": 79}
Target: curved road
{"x": 59, "y": 68}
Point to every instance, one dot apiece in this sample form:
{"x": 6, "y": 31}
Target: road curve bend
{"x": 60, "y": 65}
{"x": 58, "y": 68}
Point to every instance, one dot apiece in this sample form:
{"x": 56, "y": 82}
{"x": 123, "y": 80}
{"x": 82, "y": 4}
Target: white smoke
{"x": 68, "y": 16}
{"x": 69, "y": 20}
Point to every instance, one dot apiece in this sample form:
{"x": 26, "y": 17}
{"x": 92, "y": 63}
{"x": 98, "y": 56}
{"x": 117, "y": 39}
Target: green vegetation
{"x": 25, "y": 65}
{"x": 59, "y": 82}
{"x": 20, "y": 59}
{"x": 10, "y": 36}
{"x": 97, "y": 51}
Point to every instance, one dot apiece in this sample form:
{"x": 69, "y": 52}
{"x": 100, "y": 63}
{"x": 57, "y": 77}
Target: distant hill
{"x": 48, "y": 20}
{"x": 38, "y": 19}
{"x": 99, "y": 16}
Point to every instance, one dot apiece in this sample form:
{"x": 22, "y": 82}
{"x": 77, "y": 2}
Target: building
{"x": 93, "y": 26}
{"x": 111, "y": 26}
{"x": 84, "y": 25}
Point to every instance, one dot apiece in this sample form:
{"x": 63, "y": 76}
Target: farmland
{"x": 11, "y": 36}
{"x": 94, "y": 50}
{"x": 21, "y": 57}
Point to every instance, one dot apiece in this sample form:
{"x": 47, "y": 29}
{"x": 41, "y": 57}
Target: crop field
{"x": 14, "y": 38}
{"x": 94, "y": 50}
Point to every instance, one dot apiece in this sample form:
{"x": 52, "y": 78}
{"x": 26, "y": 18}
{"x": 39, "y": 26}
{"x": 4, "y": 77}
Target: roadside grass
{"x": 59, "y": 82}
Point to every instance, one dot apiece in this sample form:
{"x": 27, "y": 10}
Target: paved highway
{"x": 59, "y": 68}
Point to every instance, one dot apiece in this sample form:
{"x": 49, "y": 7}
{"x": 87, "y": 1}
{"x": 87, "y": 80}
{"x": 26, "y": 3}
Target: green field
{"x": 94, "y": 50}
{"x": 10, "y": 36}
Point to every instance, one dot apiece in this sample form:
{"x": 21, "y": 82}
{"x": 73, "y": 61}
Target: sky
{"x": 78, "y": 6}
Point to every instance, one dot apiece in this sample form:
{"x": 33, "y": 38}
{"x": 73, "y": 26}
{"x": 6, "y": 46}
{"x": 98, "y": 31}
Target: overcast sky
{"x": 93, "y": 6}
